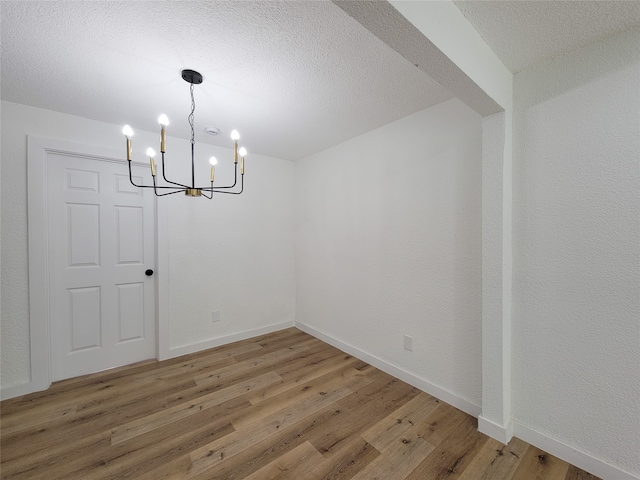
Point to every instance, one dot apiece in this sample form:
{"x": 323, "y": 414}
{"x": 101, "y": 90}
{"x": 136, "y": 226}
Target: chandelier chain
{"x": 191, "y": 115}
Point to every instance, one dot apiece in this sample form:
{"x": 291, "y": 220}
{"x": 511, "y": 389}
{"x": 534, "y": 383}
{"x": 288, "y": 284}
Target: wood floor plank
{"x": 382, "y": 397}
{"x": 178, "y": 412}
{"x": 194, "y": 366}
{"x": 575, "y": 473}
{"x": 541, "y": 466}
{"x": 441, "y": 423}
{"x": 49, "y": 463}
{"x": 149, "y": 391}
{"x": 83, "y": 423}
{"x": 401, "y": 422}
{"x": 267, "y": 450}
{"x": 145, "y": 452}
{"x": 65, "y": 390}
{"x": 383, "y": 387}
{"x": 302, "y": 372}
{"x": 34, "y": 417}
{"x": 495, "y": 460}
{"x": 301, "y": 462}
{"x": 452, "y": 456}
{"x": 261, "y": 361}
{"x": 174, "y": 470}
{"x": 239, "y": 372}
{"x": 400, "y": 458}
{"x": 352, "y": 456}
{"x": 208, "y": 456}
{"x": 271, "y": 344}
{"x": 345, "y": 377}
{"x": 282, "y": 405}
{"x": 129, "y": 461}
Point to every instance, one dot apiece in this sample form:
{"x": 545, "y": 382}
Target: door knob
{"x": 148, "y": 273}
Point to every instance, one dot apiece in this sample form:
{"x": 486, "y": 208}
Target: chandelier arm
{"x": 155, "y": 187}
{"x": 208, "y": 197}
{"x": 131, "y": 177}
{"x": 160, "y": 187}
{"x": 165, "y": 177}
{"x": 229, "y": 193}
{"x": 235, "y": 179}
{"x": 168, "y": 193}
{"x": 144, "y": 186}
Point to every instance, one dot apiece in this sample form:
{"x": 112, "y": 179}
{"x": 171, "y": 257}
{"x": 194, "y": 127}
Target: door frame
{"x": 38, "y": 156}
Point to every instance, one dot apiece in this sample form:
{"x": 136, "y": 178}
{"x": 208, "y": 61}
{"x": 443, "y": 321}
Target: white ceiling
{"x": 294, "y": 77}
{"x": 524, "y": 32}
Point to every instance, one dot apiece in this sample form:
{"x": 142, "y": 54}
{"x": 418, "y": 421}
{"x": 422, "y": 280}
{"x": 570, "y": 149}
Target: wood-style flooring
{"x": 281, "y": 406}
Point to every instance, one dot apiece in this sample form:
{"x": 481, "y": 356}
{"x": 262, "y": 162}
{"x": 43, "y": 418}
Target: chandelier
{"x": 193, "y": 78}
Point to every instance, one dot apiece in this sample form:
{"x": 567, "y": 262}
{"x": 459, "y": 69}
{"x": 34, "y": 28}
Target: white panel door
{"x": 101, "y": 242}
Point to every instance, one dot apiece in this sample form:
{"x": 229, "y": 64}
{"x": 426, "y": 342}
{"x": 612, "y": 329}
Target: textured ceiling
{"x": 389, "y": 25}
{"x": 524, "y": 32}
{"x": 293, "y": 77}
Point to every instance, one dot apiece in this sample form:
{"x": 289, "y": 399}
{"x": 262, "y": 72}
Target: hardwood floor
{"x": 281, "y": 406}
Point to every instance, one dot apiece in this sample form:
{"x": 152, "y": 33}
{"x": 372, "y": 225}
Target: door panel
{"x": 83, "y": 237}
{"x": 101, "y": 241}
{"x": 130, "y": 311}
{"x": 85, "y": 318}
{"x": 129, "y": 233}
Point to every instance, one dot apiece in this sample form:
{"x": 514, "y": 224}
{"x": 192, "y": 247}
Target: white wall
{"x": 241, "y": 247}
{"x": 576, "y": 317}
{"x": 388, "y": 243}
{"x": 233, "y": 254}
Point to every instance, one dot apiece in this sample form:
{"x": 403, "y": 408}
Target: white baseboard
{"x": 17, "y": 390}
{"x": 501, "y": 433}
{"x": 30, "y": 387}
{"x": 569, "y": 454}
{"x": 216, "y": 342}
{"x": 411, "y": 379}
{"x": 498, "y": 432}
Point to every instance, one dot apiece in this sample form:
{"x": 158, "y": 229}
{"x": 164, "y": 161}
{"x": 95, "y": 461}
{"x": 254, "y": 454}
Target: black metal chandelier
{"x": 193, "y": 78}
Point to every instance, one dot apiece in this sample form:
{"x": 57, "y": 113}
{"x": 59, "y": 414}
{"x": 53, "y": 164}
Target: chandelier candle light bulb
{"x": 163, "y": 121}
{"x": 170, "y": 187}
{"x": 213, "y": 162}
{"x": 242, "y": 152}
{"x": 128, "y": 133}
{"x": 151, "y": 153}
{"x": 235, "y": 136}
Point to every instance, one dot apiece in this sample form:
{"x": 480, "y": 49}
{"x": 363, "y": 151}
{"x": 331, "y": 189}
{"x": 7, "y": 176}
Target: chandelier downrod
{"x": 193, "y": 78}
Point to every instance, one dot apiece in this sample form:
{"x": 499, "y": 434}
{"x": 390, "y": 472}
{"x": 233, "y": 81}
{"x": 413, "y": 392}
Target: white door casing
{"x": 41, "y": 152}
{"x": 101, "y": 241}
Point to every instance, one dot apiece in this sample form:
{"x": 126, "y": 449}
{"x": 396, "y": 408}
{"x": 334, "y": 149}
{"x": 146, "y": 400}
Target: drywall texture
{"x": 388, "y": 243}
{"x": 233, "y": 254}
{"x": 297, "y": 76}
{"x": 576, "y": 311}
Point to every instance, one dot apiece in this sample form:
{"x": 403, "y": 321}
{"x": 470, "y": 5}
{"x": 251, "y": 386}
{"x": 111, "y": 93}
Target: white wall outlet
{"x": 215, "y": 316}
{"x": 408, "y": 343}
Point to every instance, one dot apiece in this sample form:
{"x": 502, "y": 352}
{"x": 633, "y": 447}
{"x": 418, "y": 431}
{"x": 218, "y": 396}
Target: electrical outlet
{"x": 408, "y": 343}
{"x": 215, "y": 316}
